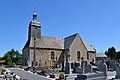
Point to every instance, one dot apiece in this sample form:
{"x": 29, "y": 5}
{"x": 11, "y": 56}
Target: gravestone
{"x": 88, "y": 68}
{"x": 117, "y": 70}
{"x": 85, "y": 63}
{"x": 79, "y": 70}
{"x": 102, "y": 67}
{"x": 67, "y": 64}
{"x": 82, "y": 62}
{"x": 113, "y": 65}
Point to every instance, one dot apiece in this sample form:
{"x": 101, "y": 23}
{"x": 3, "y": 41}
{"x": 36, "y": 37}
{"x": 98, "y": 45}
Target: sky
{"x": 97, "y": 21}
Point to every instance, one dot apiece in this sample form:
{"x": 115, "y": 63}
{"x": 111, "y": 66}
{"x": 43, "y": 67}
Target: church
{"x": 50, "y": 51}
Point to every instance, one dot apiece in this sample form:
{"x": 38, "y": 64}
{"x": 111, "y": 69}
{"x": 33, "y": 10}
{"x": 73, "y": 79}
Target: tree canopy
{"x": 112, "y": 54}
{"x": 12, "y": 58}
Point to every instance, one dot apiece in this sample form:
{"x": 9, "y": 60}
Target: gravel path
{"x": 27, "y": 75}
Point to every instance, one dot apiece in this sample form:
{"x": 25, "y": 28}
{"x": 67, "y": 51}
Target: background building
{"x": 100, "y": 57}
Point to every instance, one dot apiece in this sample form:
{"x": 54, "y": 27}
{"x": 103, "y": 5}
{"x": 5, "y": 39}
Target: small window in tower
{"x": 35, "y": 27}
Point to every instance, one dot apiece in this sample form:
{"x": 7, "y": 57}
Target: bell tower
{"x": 34, "y": 28}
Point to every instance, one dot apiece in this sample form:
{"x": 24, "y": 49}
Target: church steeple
{"x": 34, "y": 27}
{"x": 34, "y": 15}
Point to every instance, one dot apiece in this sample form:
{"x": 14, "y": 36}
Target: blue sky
{"x": 97, "y": 21}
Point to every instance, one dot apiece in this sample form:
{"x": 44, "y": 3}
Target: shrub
{"x": 61, "y": 76}
{"x": 11, "y": 73}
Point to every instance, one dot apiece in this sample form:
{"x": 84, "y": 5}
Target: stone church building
{"x": 51, "y": 51}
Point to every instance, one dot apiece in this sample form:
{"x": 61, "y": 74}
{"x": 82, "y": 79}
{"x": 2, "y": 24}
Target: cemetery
{"x": 77, "y": 72}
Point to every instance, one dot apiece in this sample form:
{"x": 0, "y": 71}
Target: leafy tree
{"x": 118, "y": 55}
{"x": 111, "y": 53}
{"x": 12, "y": 58}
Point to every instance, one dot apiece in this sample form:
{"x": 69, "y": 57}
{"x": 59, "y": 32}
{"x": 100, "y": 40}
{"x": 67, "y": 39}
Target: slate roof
{"x": 69, "y": 40}
{"x": 56, "y": 43}
{"x": 88, "y": 46}
{"x": 48, "y": 42}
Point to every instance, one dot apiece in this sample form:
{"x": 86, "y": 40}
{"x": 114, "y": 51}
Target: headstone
{"x": 72, "y": 65}
{"x": 82, "y": 62}
{"x": 117, "y": 70}
{"x": 93, "y": 62}
{"x": 88, "y": 68}
{"x": 102, "y": 67}
{"x": 85, "y": 63}
{"x": 67, "y": 64}
{"x": 113, "y": 65}
{"x": 79, "y": 70}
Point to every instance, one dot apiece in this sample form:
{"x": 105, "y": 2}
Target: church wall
{"x": 77, "y": 46}
{"x": 91, "y": 56}
{"x": 43, "y": 56}
{"x": 25, "y": 57}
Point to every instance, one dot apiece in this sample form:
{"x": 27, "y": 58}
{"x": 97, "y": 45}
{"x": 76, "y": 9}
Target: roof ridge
{"x": 51, "y": 37}
{"x": 72, "y": 35}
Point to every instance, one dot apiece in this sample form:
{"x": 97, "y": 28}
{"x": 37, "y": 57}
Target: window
{"x": 52, "y": 55}
{"x": 40, "y": 64}
{"x": 78, "y": 55}
{"x": 35, "y": 27}
{"x": 87, "y": 55}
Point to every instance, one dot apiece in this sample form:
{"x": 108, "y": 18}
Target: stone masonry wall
{"x": 43, "y": 56}
{"x": 77, "y": 46}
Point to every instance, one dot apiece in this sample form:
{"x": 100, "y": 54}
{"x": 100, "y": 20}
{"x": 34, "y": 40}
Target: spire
{"x": 34, "y": 15}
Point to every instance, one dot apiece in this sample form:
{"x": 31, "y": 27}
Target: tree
{"x": 118, "y": 55}
{"x": 111, "y": 53}
{"x": 12, "y": 58}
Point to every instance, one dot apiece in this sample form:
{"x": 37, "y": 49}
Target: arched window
{"x": 52, "y": 55}
{"x": 40, "y": 64}
{"x": 78, "y": 55}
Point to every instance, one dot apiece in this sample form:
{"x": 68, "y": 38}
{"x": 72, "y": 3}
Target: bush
{"x": 49, "y": 67}
{"x": 14, "y": 65}
{"x": 3, "y": 70}
{"x": 61, "y": 76}
{"x": 11, "y": 73}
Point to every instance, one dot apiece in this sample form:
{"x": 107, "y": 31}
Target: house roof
{"x": 88, "y": 46}
{"x": 2, "y": 61}
{"x": 100, "y": 55}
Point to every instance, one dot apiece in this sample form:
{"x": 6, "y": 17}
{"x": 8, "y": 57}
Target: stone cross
{"x": 34, "y": 63}
{"x": 83, "y": 62}
{"x": 67, "y": 64}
